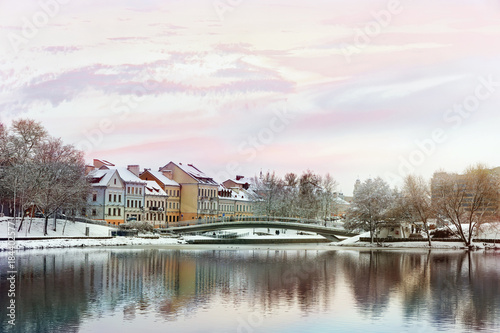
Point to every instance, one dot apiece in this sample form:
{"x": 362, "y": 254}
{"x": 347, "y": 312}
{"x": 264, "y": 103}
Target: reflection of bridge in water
{"x": 262, "y": 222}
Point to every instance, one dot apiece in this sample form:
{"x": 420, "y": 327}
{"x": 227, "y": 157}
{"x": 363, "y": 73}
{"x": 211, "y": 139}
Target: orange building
{"x": 198, "y": 191}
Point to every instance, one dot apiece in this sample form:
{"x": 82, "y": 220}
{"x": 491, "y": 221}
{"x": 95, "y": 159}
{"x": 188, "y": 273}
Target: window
{"x": 120, "y": 198}
{"x": 94, "y": 197}
{"x": 114, "y": 181}
{"x": 109, "y": 211}
{"x": 94, "y": 212}
{"x": 114, "y": 211}
{"x": 128, "y": 190}
{"x": 119, "y": 211}
{"x": 114, "y": 198}
{"x": 109, "y": 198}
{"x": 170, "y": 205}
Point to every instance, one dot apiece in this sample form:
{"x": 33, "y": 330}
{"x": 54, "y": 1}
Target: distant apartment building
{"x": 172, "y": 190}
{"x": 198, "y": 191}
{"x": 237, "y": 196}
{"x": 117, "y": 194}
{"x": 491, "y": 202}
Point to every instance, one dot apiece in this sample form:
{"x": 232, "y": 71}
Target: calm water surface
{"x": 251, "y": 291}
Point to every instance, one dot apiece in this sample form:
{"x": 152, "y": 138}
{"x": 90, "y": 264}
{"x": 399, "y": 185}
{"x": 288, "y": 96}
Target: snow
{"x": 129, "y": 177}
{"x": 74, "y": 236}
{"x": 355, "y": 242}
{"x": 152, "y": 188}
{"x": 72, "y": 230}
{"x": 165, "y": 180}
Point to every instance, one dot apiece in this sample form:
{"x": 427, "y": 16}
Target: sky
{"x": 353, "y": 88}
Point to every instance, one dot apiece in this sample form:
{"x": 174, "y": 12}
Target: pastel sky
{"x": 355, "y": 88}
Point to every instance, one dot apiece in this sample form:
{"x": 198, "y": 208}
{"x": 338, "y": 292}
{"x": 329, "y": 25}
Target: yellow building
{"x": 172, "y": 190}
{"x": 198, "y": 191}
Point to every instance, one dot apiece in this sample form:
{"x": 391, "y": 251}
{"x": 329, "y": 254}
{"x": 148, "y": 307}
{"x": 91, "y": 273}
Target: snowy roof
{"x": 340, "y": 201}
{"x": 241, "y": 180}
{"x": 152, "y": 188}
{"x": 197, "y": 174}
{"x": 241, "y": 194}
{"x": 162, "y": 178}
{"x": 100, "y": 177}
{"x": 129, "y": 177}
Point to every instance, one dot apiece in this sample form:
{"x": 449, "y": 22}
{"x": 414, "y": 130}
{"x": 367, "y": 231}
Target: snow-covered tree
{"x": 269, "y": 188}
{"x": 465, "y": 201}
{"x": 60, "y": 178}
{"x": 371, "y": 203}
{"x": 39, "y": 170}
{"x": 418, "y": 201}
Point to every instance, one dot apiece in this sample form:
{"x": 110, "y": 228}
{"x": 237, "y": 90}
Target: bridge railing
{"x": 231, "y": 219}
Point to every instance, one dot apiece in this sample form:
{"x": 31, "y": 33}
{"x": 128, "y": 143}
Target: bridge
{"x": 262, "y": 222}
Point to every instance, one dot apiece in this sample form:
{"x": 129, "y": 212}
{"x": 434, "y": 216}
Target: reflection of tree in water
{"x": 447, "y": 287}
{"x": 276, "y": 278}
{"x": 372, "y": 276}
{"x": 465, "y": 287}
{"x": 57, "y": 289}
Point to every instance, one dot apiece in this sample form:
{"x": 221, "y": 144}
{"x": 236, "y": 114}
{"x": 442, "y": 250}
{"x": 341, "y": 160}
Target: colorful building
{"x": 198, "y": 191}
{"x": 172, "y": 190}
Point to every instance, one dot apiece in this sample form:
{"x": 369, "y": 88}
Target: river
{"x": 249, "y": 290}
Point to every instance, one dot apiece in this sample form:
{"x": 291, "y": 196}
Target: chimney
{"x": 134, "y": 169}
{"x": 239, "y": 177}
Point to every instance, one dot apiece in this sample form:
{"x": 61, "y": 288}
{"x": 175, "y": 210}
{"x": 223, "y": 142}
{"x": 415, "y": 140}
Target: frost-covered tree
{"x": 37, "y": 170}
{"x": 327, "y": 196}
{"x": 269, "y": 188}
{"x": 18, "y": 147}
{"x": 418, "y": 201}
{"x": 465, "y": 201}
{"x": 60, "y": 178}
{"x": 371, "y": 203}
{"x": 309, "y": 195}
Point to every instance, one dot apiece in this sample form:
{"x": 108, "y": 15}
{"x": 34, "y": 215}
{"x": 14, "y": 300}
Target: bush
{"x": 139, "y": 226}
{"x": 441, "y": 233}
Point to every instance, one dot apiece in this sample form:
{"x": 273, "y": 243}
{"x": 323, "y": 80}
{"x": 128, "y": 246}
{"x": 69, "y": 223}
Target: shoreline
{"x": 174, "y": 243}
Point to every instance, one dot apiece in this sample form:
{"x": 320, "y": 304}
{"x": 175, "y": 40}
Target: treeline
{"x": 461, "y": 202}
{"x": 38, "y": 171}
{"x": 309, "y": 195}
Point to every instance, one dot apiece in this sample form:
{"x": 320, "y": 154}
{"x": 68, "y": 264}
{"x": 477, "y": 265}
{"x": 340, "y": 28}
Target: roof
{"x": 100, "y": 177}
{"x": 196, "y": 173}
{"x": 162, "y": 178}
{"x": 242, "y": 180}
{"x": 152, "y": 188}
{"x": 129, "y": 177}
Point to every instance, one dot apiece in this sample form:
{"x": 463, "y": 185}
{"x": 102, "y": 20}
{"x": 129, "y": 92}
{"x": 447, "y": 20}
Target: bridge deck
{"x": 326, "y": 232}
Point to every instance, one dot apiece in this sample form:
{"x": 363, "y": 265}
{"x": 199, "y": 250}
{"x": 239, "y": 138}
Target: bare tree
{"x": 60, "y": 178}
{"x": 328, "y": 204}
{"x": 465, "y": 201}
{"x": 308, "y": 196}
{"x": 269, "y": 189}
{"x": 370, "y": 205}
{"x": 17, "y": 152}
{"x": 417, "y": 198}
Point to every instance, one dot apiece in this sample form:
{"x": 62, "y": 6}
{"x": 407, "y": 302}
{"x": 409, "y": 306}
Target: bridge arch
{"x": 263, "y": 222}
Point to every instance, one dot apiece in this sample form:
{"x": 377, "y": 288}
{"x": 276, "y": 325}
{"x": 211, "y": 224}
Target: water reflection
{"x": 253, "y": 291}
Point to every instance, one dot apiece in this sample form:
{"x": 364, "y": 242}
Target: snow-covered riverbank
{"x": 73, "y": 234}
